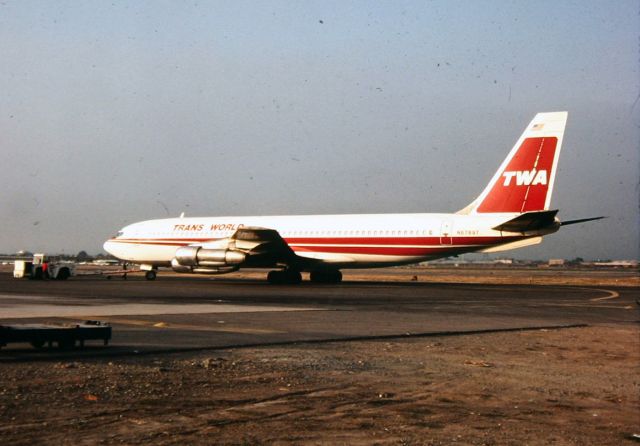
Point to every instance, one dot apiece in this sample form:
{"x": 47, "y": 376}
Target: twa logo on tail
{"x": 524, "y": 180}
{"x": 526, "y": 177}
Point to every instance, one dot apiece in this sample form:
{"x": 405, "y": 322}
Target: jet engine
{"x": 195, "y": 259}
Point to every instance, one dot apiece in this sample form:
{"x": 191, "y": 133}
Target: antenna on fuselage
{"x": 182, "y": 215}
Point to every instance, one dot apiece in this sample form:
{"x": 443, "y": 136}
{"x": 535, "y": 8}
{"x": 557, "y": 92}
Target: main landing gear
{"x": 150, "y": 275}
{"x": 287, "y": 276}
{"x": 326, "y": 276}
{"x": 292, "y": 277}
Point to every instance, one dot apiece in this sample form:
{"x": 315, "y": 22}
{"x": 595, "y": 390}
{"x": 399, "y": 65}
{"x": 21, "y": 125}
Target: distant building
{"x": 556, "y": 262}
{"x": 618, "y": 263}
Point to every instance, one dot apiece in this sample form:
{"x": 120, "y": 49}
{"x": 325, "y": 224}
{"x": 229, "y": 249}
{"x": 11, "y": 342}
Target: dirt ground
{"x": 578, "y": 386}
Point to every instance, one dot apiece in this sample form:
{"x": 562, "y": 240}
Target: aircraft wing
{"x": 266, "y": 247}
{"x": 258, "y": 241}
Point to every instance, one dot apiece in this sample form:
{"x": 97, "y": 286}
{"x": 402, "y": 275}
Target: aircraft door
{"x": 446, "y": 232}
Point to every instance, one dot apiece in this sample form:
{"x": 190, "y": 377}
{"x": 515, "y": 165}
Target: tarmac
{"x": 180, "y": 314}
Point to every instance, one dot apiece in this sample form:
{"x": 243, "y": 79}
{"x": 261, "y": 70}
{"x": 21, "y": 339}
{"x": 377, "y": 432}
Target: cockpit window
{"x": 118, "y": 234}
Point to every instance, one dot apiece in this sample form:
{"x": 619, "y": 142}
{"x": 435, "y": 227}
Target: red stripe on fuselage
{"x": 392, "y": 246}
{"x": 381, "y": 250}
{"x": 396, "y": 240}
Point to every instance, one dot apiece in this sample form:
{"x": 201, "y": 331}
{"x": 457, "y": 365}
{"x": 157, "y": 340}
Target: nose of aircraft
{"x": 108, "y": 246}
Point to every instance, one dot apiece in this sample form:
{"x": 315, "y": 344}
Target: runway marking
{"x": 165, "y": 325}
{"x": 610, "y": 295}
{"x": 79, "y": 309}
{"x": 585, "y": 305}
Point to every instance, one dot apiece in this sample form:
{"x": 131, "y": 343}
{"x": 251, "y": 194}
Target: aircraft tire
{"x": 150, "y": 275}
{"x": 286, "y": 277}
{"x": 293, "y": 277}
{"x": 63, "y": 274}
{"x": 326, "y": 276}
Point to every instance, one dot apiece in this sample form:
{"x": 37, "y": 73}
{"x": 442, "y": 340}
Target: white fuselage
{"x": 342, "y": 241}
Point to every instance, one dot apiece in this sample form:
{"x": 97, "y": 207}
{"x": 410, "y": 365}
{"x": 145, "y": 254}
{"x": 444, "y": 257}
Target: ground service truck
{"x": 43, "y": 267}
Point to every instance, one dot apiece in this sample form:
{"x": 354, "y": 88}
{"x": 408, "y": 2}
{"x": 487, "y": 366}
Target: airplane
{"x": 511, "y": 212}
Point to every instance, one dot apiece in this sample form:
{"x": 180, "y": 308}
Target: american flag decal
{"x": 537, "y": 127}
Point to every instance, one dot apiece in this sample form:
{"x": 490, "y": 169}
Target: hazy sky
{"x": 113, "y": 112}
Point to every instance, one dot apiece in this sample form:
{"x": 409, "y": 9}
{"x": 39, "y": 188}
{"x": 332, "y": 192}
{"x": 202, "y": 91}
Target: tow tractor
{"x": 34, "y": 269}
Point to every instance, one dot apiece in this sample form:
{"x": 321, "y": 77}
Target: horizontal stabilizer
{"x": 529, "y": 221}
{"x": 582, "y": 220}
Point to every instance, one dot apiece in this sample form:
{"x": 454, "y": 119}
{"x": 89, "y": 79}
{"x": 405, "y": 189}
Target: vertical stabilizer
{"x": 524, "y": 181}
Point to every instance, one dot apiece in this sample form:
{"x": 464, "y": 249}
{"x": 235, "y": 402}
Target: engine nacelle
{"x": 180, "y": 268}
{"x": 219, "y": 270}
{"x": 196, "y": 256}
{"x": 202, "y": 269}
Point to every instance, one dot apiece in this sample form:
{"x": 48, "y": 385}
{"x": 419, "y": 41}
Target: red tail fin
{"x": 524, "y": 181}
